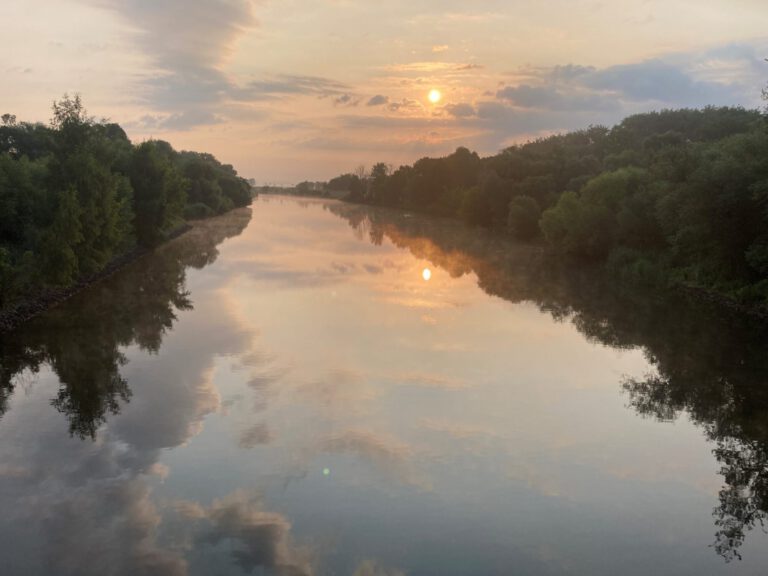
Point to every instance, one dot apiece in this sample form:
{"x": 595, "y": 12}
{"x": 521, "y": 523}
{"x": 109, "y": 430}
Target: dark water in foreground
{"x": 319, "y": 388}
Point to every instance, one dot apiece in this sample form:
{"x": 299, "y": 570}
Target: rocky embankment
{"x": 28, "y": 308}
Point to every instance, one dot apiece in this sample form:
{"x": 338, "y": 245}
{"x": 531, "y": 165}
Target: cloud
{"x": 462, "y": 110}
{"x": 346, "y": 100}
{"x": 259, "y": 539}
{"x": 340, "y": 390}
{"x": 94, "y": 515}
{"x": 690, "y": 81}
{"x": 404, "y": 104}
{"x": 428, "y": 380}
{"x": 440, "y": 48}
{"x": 390, "y": 456}
{"x": 288, "y": 277}
{"x": 373, "y": 269}
{"x": 421, "y": 67}
{"x": 180, "y": 121}
{"x": 187, "y": 42}
{"x": 470, "y": 66}
{"x": 553, "y": 98}
{"x": 655, "y": 80}
{"x": 288, "y": 84}
{"x": 84, "y": 540}
{"x": 377, "y": 100}
{"x": 183, "y": 35}
{"x": 573, "y": 96}
{"x": 569, "y": 72}
{"x": 256, "y": 435}
{"x": 88, "y": 508}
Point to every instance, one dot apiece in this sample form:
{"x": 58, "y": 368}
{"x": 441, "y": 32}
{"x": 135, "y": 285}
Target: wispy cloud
{"x": 187, "y": 42}
{"x": 287, "y": 84}
{"x": 471, "y": 66}
{"x": 422, "y": 67}
{"x": 378, "y": 100}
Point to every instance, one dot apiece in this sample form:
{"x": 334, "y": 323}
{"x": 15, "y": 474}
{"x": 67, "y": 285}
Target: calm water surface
{"x": 320, "y": 388}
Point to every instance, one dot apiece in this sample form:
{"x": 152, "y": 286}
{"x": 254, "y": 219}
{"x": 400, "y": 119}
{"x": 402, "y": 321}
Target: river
{"x": 308, "y": 387}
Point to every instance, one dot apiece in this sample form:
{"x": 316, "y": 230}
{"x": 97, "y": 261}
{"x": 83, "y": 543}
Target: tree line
{"x": 669, "y": 197}
{"x": 76, "y": 193}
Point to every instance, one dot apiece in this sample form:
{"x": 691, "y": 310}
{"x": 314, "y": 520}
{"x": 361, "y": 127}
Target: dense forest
{"x": 677, "y": 197}
{"x": 77, "y": 193}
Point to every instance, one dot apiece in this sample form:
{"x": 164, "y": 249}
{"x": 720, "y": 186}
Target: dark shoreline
{"x": 726, "y": 302}
{"x": 697, "y": 293}
{"x": 46, "y": 299}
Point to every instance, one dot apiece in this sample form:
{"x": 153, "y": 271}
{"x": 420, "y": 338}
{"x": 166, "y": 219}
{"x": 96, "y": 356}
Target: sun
{"x": 426, "y": 274}
{"x": 435, "y": 96}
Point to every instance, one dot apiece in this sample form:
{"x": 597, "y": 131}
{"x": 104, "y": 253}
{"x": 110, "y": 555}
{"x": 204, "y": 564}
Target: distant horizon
{"x": 287, "y": 92}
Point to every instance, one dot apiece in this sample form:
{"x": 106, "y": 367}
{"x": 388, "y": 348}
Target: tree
{"x": 69, "y": 111}
{"x": 523, "y": 218}
{"x": 6, "y": 274}
{"x": 58, "y": 258}
{"x": 378, "y": 182}
{"x": 159, "y": 191}
{"x": 475, "y": 208}
{"x": 70, "y": 123}
{"x": 589, "y": 224}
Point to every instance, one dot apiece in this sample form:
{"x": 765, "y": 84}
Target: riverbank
{"x": 722, "y": 300}
{"x": 32, "y": 306}
{"x": 702, "y": 294}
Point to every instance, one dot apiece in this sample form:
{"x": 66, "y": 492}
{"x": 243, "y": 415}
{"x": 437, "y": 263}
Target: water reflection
{"x": 82, "y": 341}
{"x": 87, "y": 508}
{"x": 310, "y": 404}
{"x": 708, "y": 363}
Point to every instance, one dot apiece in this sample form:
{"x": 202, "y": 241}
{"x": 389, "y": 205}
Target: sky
{"x": 289, "y": 90}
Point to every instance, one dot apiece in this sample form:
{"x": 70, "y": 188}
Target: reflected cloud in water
{"x": 207, "y": 387}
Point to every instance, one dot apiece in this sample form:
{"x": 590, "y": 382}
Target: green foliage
{"x": 6, "y": 274}
{"x": 77, "y": 193}
{"x": 159, "y": 191}
{"x": 378, "y": 183}
{"x": 476, "y": 207}
{"x": 672, "y": 196}
{"x": 350, "y": 184}
{"x": 523, "y": 217}
{"x": 579, "y": 228}
{"x": 103, "y": 205}
{"x": 59, "y": 263}
{"x": 71, "y": 125}
{"x": 197, "y": 211}
{"x": 214, "y": 184}
{"x": 615, "y": 208}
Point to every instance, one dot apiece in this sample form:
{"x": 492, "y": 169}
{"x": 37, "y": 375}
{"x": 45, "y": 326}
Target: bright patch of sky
{"x": 291, "y": 90}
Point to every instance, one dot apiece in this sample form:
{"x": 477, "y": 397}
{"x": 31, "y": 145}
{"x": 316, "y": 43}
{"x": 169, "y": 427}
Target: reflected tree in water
{"x": 721, "y": 385}
{"x": 82, "y": 340}
{"x": 709, "y": 364}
